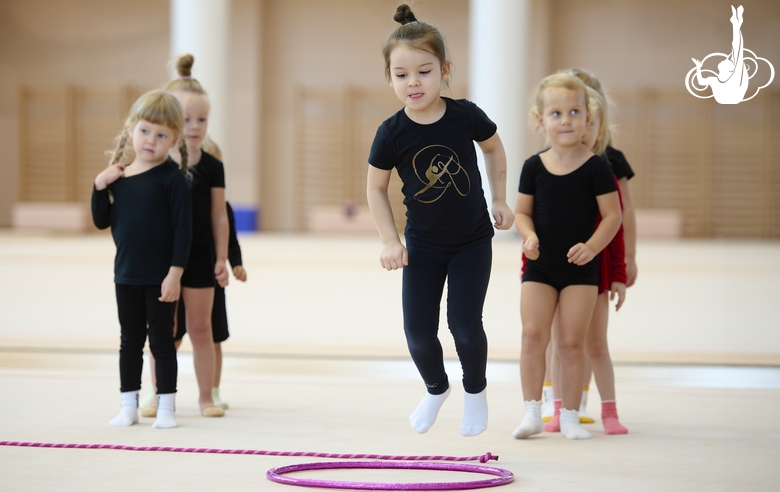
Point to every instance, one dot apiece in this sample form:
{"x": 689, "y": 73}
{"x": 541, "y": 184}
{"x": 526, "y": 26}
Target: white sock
{"x": 128, "y": 412}
{"x": 218, "y": 402}
{"x": 426, "y": 412}
{"x": 166, "y": 407}
{"x": 532, "y": 421}
{"x": 548, "y": 409}
{"x": 475, "y": 414}
{"x": 570, "y": 425}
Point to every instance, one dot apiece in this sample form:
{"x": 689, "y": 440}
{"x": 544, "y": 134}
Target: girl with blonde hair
{"x": 147, "y": 204}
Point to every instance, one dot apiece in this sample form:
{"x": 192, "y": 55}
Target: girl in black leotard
{"x": 561, "y": 192}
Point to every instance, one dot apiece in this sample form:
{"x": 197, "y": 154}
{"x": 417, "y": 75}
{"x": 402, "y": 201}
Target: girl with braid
{"x": 430, "y": 143}
{"x": 207, "y": 265}
{"x": 147, "y": 204}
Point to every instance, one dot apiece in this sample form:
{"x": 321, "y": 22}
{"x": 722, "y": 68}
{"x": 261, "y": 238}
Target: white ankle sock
{"x": 218, "y": 402}
{"x": 532, "y": 421}
{"x": 166, "y": 407}
{"x": 426, "y": 412}
{"x": 570, "y": 425}
{"x": 475, "y": 414}
{"x": 128, "y": 412}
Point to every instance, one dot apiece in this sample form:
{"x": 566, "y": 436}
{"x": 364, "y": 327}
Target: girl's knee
{"x": 535, "y": 340}
{"x": 570, "y": 347}
{"x": 597, "y": 351}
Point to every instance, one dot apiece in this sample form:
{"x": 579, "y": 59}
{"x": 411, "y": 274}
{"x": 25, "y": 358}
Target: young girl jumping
{"x": 430, "y": 143}
{"x": 147, "y": 204}
{"x": 561, "y": 191}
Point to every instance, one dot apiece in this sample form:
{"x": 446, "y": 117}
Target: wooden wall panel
{"x": 334, "y": 131}
{"x": 64, "y": 133}
{"x": 44, "y": 143}
{"x": 718, "y": 165}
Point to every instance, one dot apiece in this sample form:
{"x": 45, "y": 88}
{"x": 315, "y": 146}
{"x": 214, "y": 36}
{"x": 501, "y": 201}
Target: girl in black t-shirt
{"x": 561, "y": 192}
{"x": 430, "y": 143}
{"x": 147, "y": 205}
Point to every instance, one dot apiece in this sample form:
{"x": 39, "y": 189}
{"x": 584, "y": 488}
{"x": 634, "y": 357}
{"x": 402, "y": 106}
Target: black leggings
{"x": 138, "y": 308}
{"x": 467, "y": 273}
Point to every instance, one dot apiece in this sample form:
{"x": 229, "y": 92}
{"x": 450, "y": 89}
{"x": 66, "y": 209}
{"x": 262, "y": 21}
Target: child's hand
{"x": 580, "y": 254}
{"x": 221, "y": 274}
{"x": 171, "y": 285}
{"x": 618, "y": 289}
{"x": 531, "y": 247}
{"x": 631, "y": 272}
{"x": 503, "y": 215}
{"x": 109, "y": 175}
{"x": 239, "y": 273}
{"x": 394, "y": 256}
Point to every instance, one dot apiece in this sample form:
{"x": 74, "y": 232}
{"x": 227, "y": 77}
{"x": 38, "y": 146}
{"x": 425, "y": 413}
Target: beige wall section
{"x": 330, "y": 44}
{"x": 78, "y": 42}
{"x": 650, "y": 43}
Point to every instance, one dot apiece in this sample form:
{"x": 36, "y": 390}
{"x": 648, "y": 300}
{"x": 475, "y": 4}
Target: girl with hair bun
{"x": 430, "y": 143}
{"x": 207, "y": 265}
{"x": 147, "y": 204}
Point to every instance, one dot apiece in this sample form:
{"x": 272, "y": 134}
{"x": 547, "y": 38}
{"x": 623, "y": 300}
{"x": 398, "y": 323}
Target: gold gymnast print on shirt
{"x": 438, "y": 168}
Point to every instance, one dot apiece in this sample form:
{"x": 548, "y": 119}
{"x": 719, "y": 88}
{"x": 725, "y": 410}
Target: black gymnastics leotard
{"x": 208, "y": 173}
{"x": 565, "y": 210}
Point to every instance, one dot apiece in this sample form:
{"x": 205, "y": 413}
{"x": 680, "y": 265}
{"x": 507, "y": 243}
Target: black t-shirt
{"x": 565, "y": 207}
{"x": 437, "y": 163}
{"x": 207, "y": 174}
{"x": 618, "y": 162}
{"x": 151, "y": 222}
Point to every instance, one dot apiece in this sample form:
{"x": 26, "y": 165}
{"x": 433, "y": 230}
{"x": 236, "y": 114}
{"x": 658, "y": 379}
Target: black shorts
{"x": 219, "y": 324}
{"x": 560, "y": 278}
{"x": 200, "y": 268}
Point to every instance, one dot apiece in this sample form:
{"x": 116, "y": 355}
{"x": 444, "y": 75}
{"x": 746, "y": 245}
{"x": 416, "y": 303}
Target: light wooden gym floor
{"x": 317, "y": 362}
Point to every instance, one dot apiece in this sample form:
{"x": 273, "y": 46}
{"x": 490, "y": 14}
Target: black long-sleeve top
{"x": 150, "y": 215}
{"x": 234, "y": 250}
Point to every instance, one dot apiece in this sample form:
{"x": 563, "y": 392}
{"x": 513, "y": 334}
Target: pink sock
{"x": 609, "y": 418}
{"x": 554, "y": 425}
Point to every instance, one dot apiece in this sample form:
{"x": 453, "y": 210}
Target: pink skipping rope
{"x": 382, "y": 461}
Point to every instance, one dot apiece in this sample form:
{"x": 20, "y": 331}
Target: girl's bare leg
{"x": 587, "y": 375}
{"x": 199, "y": 303}
{"x": 554, "y": 423}
{"x": 217, "y": 377}
{"x": 598, "y": 349}
{"x": 548, "y": 409}
{"x": 575, "y": 310}
{"x": 537, "y": 306}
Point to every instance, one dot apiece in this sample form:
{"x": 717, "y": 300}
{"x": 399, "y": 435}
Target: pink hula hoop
{"x": 503, "y": 476}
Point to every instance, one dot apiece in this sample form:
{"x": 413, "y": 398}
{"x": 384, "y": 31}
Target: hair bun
{"x": 184, "y": 65}
{"x": 403, "y": 15}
